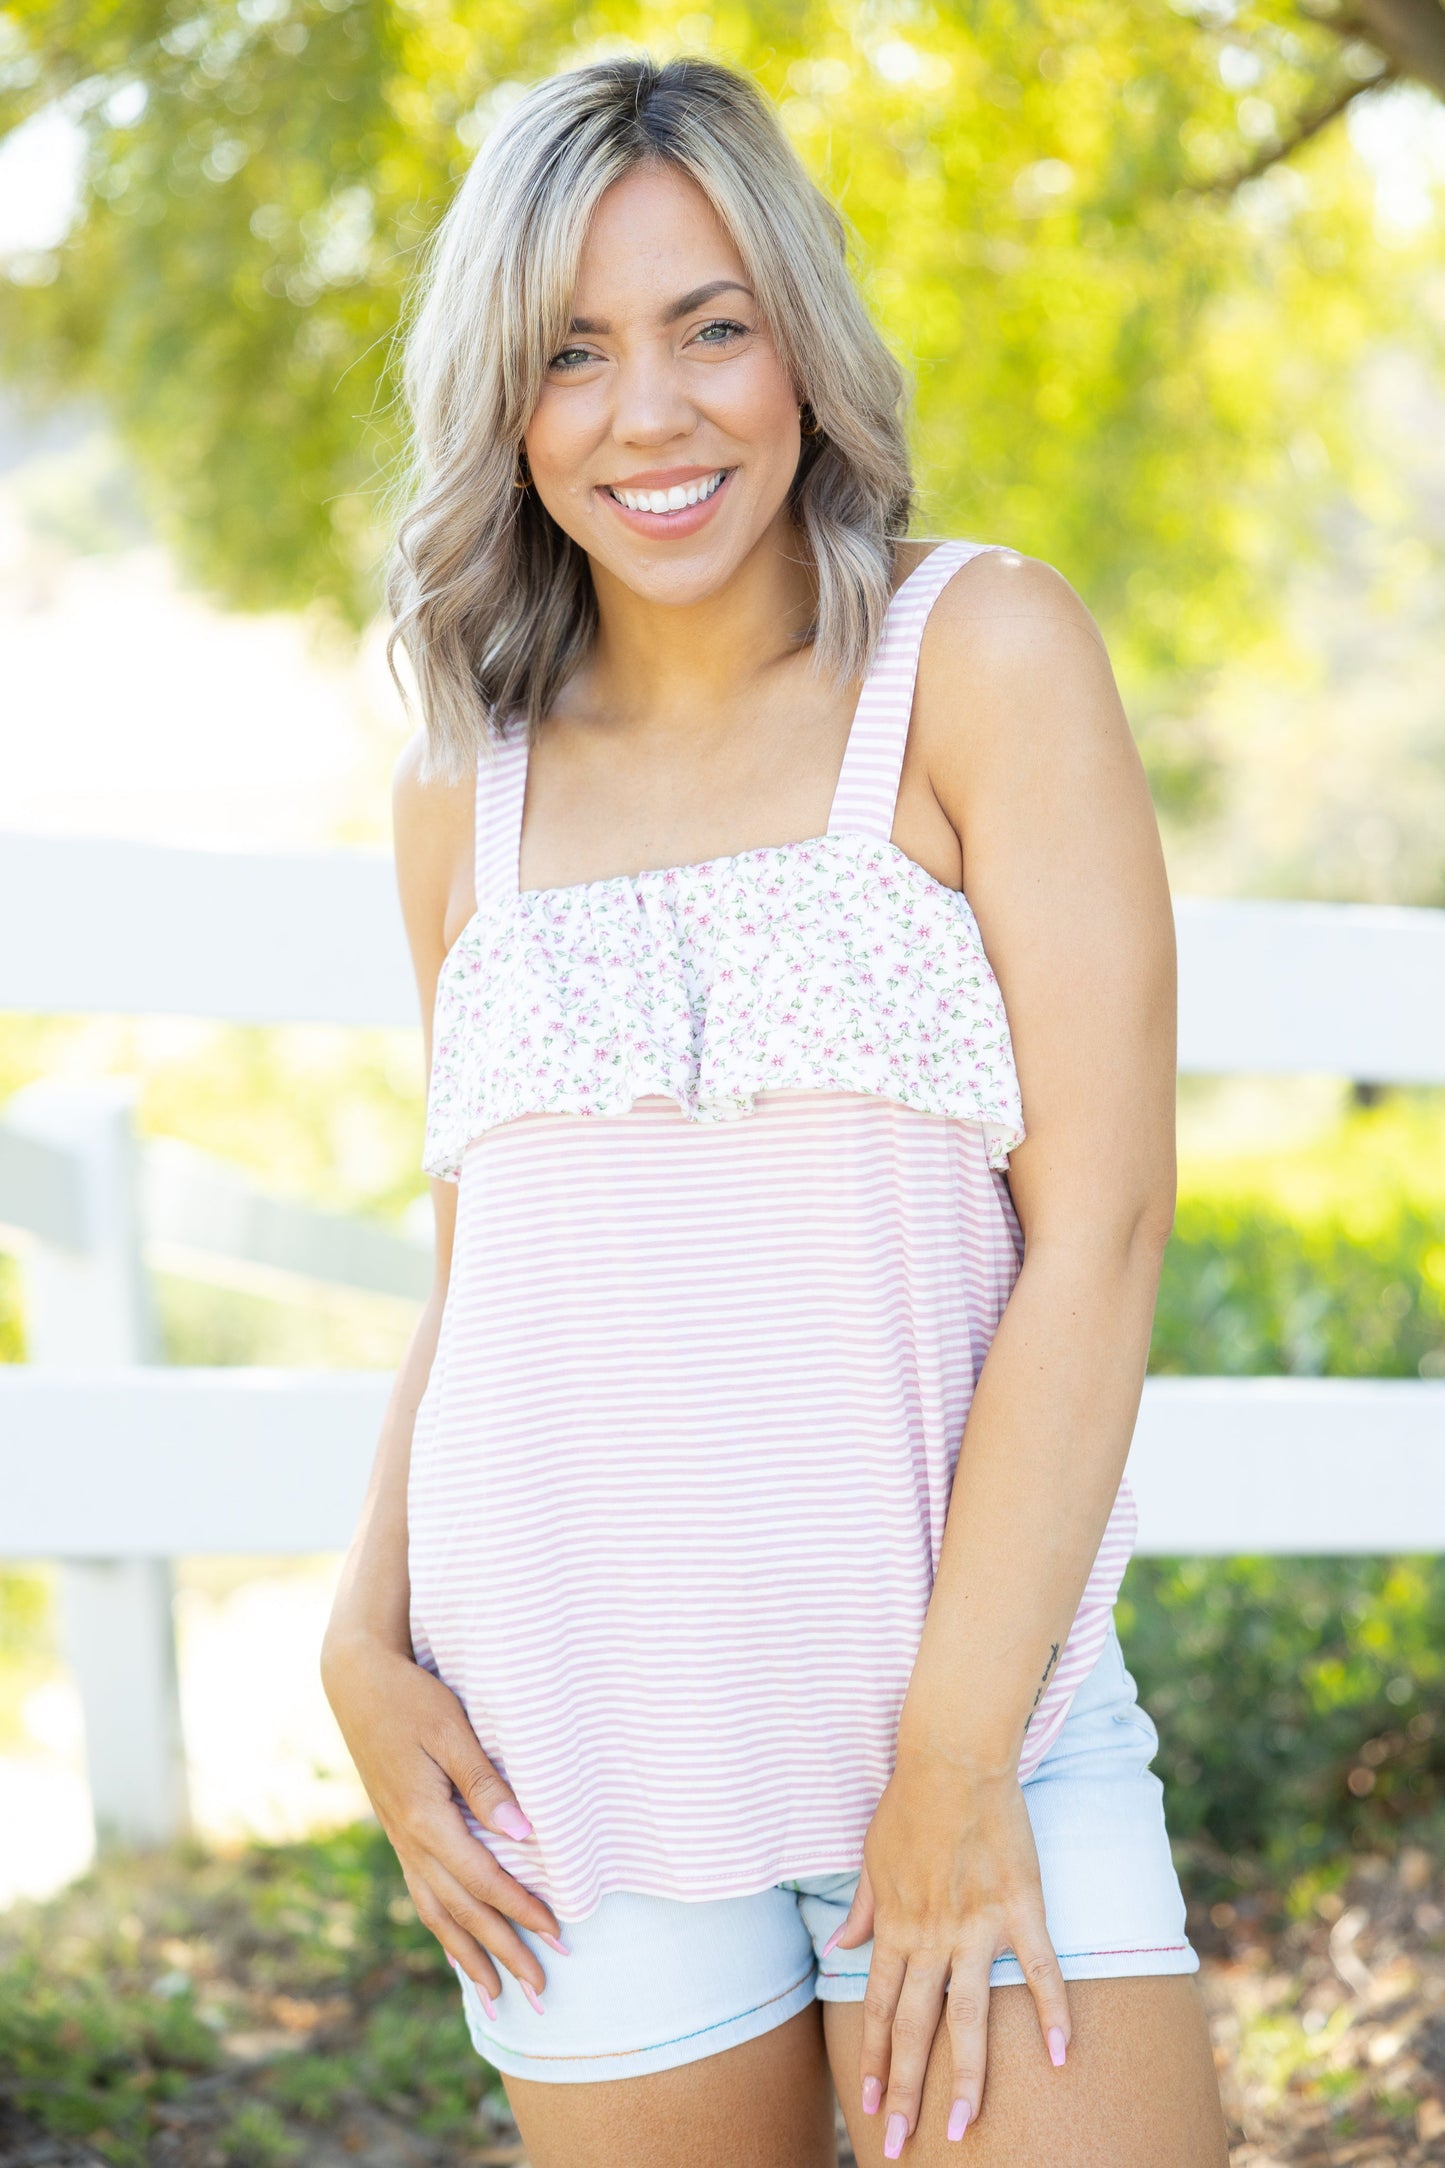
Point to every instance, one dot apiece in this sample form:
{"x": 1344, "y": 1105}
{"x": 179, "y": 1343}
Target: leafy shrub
{"x": 256, "y": 2137}
{"x": 313, "y": 2086}
{"x": 1297, "y": 1704}
{"x": 88, "y": 2061}
{"x": 1248, "y": 1292}
{"x": 146, "y": 1976}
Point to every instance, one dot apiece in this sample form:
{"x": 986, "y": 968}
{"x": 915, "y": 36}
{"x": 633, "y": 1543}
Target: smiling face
{"x": 666, "y": 437}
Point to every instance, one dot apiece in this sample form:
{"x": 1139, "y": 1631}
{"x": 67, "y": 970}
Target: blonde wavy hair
{"x": 493, "y": 603}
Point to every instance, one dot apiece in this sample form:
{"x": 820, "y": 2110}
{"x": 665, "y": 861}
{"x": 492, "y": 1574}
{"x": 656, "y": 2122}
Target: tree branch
{"x": 1307, "y": 123}
{"x": 1410, "y": 33}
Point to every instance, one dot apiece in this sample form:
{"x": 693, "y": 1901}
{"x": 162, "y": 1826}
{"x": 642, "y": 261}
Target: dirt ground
{"x": 1329, "y": 2029}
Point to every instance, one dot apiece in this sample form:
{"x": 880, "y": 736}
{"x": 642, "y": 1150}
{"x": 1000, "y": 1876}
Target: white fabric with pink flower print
{"x": 831, "y": 965}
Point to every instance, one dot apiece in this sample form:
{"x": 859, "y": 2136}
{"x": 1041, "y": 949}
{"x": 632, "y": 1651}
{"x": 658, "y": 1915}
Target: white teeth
{"x": 669, "y": 500}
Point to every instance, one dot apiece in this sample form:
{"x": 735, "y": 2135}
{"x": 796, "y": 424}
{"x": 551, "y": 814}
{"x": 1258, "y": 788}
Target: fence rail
{"x": 180, "y": 1463}
{"x": 114, "y": 1464}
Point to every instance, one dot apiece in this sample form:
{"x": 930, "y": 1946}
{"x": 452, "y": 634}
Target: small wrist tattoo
{"x": 1048, "y": 1667}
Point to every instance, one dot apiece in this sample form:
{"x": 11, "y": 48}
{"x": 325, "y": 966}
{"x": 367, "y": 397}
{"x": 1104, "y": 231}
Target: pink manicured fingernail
{"x": 894, "y": 2136}
{"x": 555, "y": 1942}
{"x": 827, "y": 1946}
{"x": 533, "y": 1998}
{"x": 958, "y": 2118}
{"x": 1056, "y": 2047}
{"x": 510, "y": 1819}
{"x": 487, "y": 2003}
{"x": 872, "y": 2095}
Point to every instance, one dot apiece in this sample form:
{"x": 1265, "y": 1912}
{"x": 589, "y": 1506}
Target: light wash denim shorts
{"x": 653, "y": 1982}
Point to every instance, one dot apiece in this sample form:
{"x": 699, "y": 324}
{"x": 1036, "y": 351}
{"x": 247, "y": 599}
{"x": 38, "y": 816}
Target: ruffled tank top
{"x": 733, "y": 1238}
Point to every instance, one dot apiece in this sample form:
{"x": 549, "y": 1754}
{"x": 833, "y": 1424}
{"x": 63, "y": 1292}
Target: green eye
{"x": 571, "y": 357}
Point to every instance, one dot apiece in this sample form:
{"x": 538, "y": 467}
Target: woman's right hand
{"x": 413, "y": 1748}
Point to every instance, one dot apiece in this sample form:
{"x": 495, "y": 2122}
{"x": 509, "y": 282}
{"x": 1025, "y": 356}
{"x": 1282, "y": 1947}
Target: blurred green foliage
{"x": 27, "y": 1645}
{"x": 1125, "y": 365}
{"x": 88, "y": 2058}
{"x": 1298, "y": 1707}
{"x": 1322, "y": 1261}
{"x": 11, "y": 1339}
{"x": 150, "y": 1974}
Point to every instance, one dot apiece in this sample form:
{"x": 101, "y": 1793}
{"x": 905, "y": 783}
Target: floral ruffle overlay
{"x": 835, "y": 965}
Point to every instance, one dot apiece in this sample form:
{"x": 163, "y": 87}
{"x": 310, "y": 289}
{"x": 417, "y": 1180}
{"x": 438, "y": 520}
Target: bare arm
{"x": 1037, "y": 772}
{"x": 1063, "y": 867}
{"x": 407, "y": 1732}
{"x": 372, "y": 1594}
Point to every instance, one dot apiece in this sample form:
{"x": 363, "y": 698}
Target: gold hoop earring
{"x": 522, "y": 479}
{"x": 808, "y": 422}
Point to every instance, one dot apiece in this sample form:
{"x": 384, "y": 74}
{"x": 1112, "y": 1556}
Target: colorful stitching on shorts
{"x": 1143, "y": 1949}
{"x": 605, "y": 2055}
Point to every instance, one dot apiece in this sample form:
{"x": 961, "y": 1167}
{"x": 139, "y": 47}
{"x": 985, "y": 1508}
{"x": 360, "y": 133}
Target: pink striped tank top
{"x": 733, "y": 1237}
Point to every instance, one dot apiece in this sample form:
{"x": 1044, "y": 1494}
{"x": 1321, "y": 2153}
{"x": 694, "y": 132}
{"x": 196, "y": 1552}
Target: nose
{"x": 651, "y": 404}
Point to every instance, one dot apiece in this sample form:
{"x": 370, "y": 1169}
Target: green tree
{"x": 1127, "y": 250}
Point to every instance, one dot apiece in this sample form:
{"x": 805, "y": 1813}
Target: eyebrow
{"x": 593, "y": 326}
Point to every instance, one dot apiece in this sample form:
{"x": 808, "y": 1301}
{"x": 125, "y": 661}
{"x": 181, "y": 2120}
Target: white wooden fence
{"x": 113, "y": 1464}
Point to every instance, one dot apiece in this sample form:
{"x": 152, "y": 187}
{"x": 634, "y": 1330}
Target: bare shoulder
{"x": 421, "y": 799}
{"x": 1026, "y": 746}
{"x": 1012, "y": 658}
{"x": 431, "y": 815}
{"x": 1005, "y": 604}
{"x": 432, "y": 832}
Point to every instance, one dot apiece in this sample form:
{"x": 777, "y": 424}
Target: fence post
{"x": 85, "y": 1308}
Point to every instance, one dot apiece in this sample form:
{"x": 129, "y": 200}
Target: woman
{"x": 740, "y": 1713}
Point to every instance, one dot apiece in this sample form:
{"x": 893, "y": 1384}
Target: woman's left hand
{"x": 950, "y": 1880}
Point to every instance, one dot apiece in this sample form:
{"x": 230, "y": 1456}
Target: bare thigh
{"x": 1138, "y": 2087}
{"x": 767, "y": 2104}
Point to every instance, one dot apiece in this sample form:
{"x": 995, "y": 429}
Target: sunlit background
{"x": 1171, "y": 283}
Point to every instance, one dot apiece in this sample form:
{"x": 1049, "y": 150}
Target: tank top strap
{"x": 867, "y": 792}
{"x": 501, "y": 788}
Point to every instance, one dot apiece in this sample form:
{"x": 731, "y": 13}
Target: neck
{"x": 656, "y": 666}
